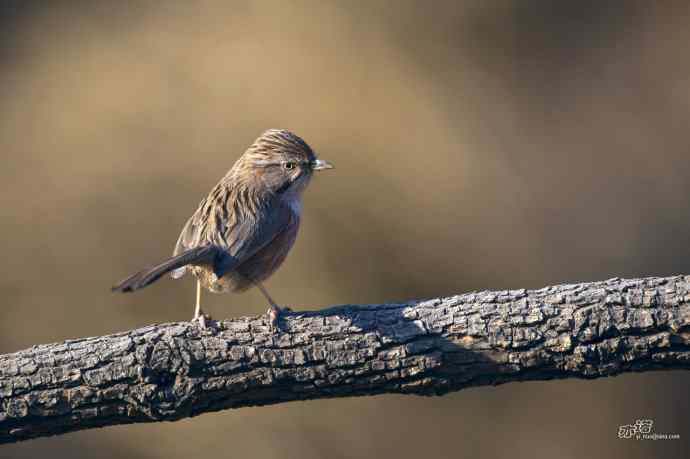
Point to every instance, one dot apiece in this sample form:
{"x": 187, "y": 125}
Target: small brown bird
{"x": 243, "y": 230}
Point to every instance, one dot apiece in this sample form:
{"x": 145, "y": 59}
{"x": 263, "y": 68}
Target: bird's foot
{"x": 274, "y": 313}
{"x": 202, "y": 319}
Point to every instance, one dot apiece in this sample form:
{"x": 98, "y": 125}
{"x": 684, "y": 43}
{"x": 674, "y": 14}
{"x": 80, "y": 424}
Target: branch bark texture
{"x": 170, "y": 371}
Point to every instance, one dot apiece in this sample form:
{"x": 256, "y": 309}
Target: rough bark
{"x": 171, "y": 371}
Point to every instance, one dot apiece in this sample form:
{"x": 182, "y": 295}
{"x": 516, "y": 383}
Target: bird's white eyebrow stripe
{"x": 265, "y": 162}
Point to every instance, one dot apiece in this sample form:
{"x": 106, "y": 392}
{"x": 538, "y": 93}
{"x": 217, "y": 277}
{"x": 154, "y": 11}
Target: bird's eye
{"x": 289, "y": 165}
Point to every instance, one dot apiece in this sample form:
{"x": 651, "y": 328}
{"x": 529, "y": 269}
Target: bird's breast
{"x": 295, "y": 205}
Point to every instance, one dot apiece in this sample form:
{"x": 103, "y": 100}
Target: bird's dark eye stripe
{"x": 285, "y": 164}
{"x": 293, "y": 164}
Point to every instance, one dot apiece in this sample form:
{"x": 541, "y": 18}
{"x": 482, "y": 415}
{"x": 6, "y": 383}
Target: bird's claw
{"x": 202, "y": 320}
{"x": 274, "y": 313}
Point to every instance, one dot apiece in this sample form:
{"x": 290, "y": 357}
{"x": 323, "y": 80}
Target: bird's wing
{"x": 190, "y": 237}
{"x": 249, "y": 235}
{"x": 238, "y": 235}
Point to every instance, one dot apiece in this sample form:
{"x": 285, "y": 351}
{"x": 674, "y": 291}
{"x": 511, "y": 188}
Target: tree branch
{"x": 171, "y": 371}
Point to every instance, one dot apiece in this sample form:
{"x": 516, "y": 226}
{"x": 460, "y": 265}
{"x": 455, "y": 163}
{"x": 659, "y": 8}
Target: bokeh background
{"x": 478, "y": 145}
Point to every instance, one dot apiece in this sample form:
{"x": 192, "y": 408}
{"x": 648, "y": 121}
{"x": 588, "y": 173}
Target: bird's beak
{"x": 320, "y": 164}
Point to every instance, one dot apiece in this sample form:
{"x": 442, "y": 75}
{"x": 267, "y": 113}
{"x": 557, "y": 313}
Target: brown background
{"x": 478, "y": 144}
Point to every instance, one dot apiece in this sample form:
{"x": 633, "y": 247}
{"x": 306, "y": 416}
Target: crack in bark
{"x": 171, "y": 371}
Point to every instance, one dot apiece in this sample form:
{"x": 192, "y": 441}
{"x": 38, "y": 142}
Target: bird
{"x": 244, "y": 229}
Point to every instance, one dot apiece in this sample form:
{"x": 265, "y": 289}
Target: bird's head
{"x": 282, "y": 161}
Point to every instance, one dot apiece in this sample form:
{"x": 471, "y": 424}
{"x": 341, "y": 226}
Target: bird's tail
{"x": 195, "y": 256}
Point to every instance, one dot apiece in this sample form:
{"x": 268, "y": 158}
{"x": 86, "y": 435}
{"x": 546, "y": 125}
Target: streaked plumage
{"x": 242, "y": 231}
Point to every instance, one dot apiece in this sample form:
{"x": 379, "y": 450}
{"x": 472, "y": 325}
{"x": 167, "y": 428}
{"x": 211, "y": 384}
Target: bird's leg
{"x": 199, "y": 315}
{"x": 275, "y": 310}
{"x": 198, "y": 299}
{"x": 266, "y": 295}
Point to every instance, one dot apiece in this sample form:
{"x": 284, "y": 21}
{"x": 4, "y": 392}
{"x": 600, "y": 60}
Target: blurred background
{"x": 478, "y": 145}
